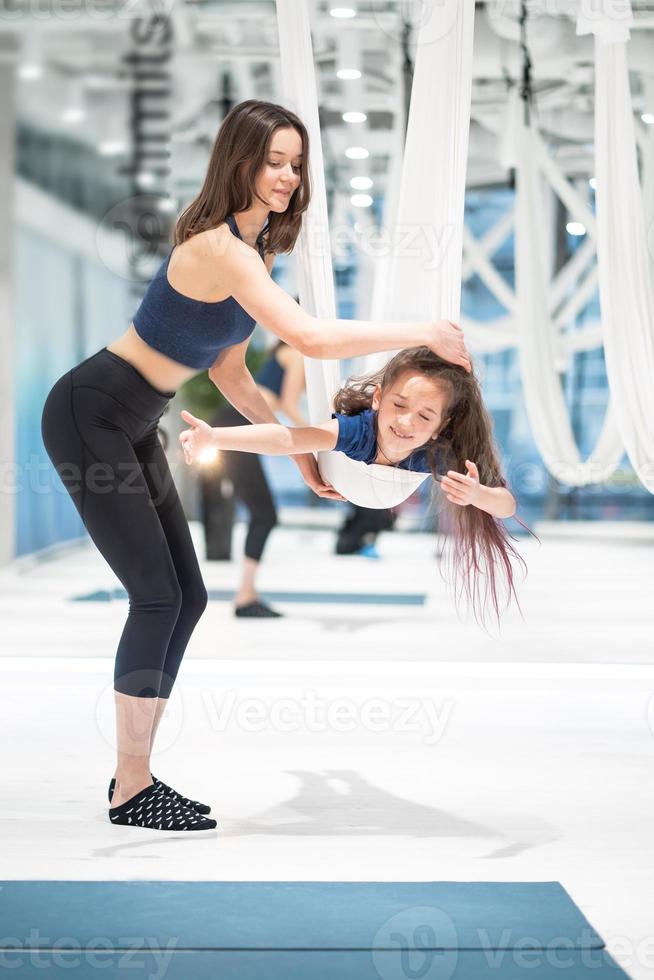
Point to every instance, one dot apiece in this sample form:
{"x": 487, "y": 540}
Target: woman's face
{"x": 410, "y": 412}
{"x": 279, "y": 177}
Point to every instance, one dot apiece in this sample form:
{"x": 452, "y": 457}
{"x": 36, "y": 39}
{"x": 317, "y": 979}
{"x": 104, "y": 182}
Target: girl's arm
{"x": 266, "y": 302}
{"x": 464, "y": 489}
{"x": 271, "y": 439}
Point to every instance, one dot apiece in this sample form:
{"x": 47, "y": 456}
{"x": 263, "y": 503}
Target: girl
{"x": 419, "y": 413}
{"x": 100, "y": 419}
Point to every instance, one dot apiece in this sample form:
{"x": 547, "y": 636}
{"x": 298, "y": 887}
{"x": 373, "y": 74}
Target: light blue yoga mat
{"x": 208, "y": 915}
{"x": 593, "y": 964}
{"x": 319, "y": 598}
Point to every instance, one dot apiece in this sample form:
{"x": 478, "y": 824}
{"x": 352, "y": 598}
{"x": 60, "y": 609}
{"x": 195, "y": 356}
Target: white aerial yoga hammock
{"x": 626, "y": 292}
{"x": 537, "y": 337}
{"x": 430, "y": 209}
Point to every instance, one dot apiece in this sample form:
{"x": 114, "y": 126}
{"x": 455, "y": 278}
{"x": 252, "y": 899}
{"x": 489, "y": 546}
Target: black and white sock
{"x": 184, "y": 800}
{"x": 203, "y": 808}
{"x": 152, "y": 808}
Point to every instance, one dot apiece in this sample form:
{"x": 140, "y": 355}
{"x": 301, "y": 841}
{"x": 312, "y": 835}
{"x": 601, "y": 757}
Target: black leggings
{"x": 250, "y": 487}
{"x": 100, "y": 429}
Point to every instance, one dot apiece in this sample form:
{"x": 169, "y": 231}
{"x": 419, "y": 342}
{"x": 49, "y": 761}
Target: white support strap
{"x": 538, "y": 348}
{"x": 626, "y": 292}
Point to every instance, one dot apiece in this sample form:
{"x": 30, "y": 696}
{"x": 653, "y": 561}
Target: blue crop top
{"x": 191, "y": 331}
{"x": 358, "y": 440}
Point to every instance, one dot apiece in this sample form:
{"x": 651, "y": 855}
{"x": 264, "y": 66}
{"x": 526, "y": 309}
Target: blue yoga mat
{"x": 318, "y": 598}
{"x": 209, "y": 915}
{"x": 593, "y": 964}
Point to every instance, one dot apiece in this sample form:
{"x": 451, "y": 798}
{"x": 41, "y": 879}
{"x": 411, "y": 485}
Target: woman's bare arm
{"x": 266, "y": 302}
{"x": 232, "y": 377}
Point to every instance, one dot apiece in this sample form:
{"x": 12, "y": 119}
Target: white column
{"x": 7, "y": 446}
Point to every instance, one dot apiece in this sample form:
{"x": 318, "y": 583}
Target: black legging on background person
{"x": 281, "y": 381}
{"x": 246, "y": 474}
{"x": 100, "y": 430}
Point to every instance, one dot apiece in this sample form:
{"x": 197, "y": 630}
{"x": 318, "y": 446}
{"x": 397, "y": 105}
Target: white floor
{"x": 356, "y": 741}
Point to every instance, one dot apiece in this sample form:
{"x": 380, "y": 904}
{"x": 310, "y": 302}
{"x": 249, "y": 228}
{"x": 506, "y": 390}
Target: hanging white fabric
{"x": 537, "y": 337}
{"x": 626, "y": 293}
{"x": 425, "y": 266}
{"x": 431, "y": 204}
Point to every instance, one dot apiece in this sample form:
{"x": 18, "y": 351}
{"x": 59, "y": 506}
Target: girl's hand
{"x": 446, "y": 340}
{"x": 199, "y": 439}
{"x": 308, "y": 467}
{"x": 462, "y": 489}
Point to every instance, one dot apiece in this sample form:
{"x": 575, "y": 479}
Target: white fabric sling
{"x": 626, "y": 292}
{"x": 537, "y": 337}
{"x": 430, "y": 208}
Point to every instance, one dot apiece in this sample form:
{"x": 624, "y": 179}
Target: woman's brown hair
{"x": 482, "y": 549}
{"x": 238, "y": 154}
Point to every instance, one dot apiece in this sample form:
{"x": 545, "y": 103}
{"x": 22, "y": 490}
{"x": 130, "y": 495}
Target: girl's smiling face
{"x": 410, "y": 412}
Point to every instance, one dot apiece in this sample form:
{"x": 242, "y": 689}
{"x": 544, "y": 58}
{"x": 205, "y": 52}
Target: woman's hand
{"x": 463, "y": 489}
{"x": 446, "y": 340}
{"x": 197, "y": 440}
{"x": 308, "y": 467}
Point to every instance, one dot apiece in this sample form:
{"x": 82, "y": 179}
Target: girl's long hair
{"x": 482, "y": 549}
{"x": 238, "y": 154}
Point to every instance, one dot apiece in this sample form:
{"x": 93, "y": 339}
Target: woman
{"x": 100, "y": 420}
{"x": 281, "y": 382}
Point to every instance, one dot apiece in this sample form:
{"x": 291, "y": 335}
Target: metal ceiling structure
{"x": 73, "y": 61}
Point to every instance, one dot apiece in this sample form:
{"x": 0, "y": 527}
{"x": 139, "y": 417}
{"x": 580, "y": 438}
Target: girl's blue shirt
{"x": 358, "y": 440}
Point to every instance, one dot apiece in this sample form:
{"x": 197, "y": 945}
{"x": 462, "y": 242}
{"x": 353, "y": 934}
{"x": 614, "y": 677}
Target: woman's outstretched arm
{"x": 269, "y": 305}
{"x": 267, "y": 438}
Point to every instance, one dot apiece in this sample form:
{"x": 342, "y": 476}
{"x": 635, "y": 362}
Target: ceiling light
{"x": 343, "y": 12}
{"x": 30, "y": 72}
{"x": 361, "y": 183}
{"x": 593, "y": 182}
{"x": 356, "y": 153}
{"x": 166, "y": 204}
{"x": 112, "y": 148}
{"x": 361, "y": 200}
{"x": 145, "y": 179}
{"x": 73, "y": 115}
{"x": 575, "y": 228}
{"x": 348, "y": 74}
{"x": 354, "y": 117}
{"x": 648, "y": 117}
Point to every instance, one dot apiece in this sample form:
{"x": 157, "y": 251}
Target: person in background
{"x": 358, "y": 533}
{"x": 281, "y": 382}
